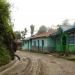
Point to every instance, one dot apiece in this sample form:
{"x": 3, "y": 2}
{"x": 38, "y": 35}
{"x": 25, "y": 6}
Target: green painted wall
{"x": 58, "y": 44}
{"x": 51, "y": 44}
{"x": 48, "y": 44}
{"x": 71, "y": 48}
{"x": 35, "y": 47}
{"x": 25, "y": 45}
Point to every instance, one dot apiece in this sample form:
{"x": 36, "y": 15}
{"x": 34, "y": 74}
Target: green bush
{"x": 4, "y": 56}
{"x": 6, "y": 34}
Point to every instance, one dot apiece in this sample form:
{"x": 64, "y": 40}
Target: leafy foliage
{"x": 17, "y": 34}
{"x": 24, "y": 33}
{"x": 6, "y": 33}
{"x": 42, "y": 29}
{"x": 32, "y": 29}
{"x": 4, "y": 56}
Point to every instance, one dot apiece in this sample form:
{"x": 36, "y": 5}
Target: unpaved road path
{"x": 40, "y": 64}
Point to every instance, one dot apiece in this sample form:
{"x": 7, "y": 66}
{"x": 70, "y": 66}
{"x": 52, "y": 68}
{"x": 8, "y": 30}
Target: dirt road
{"x": 40, "y": 64}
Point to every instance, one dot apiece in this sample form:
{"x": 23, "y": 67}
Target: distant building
{"x": 39, "y": 43}
{"x": 42, "y": 42}
{"x": 26, "y": 44}
{"x": 64, "y": 39}
{"x": 70, "y": 39}
{"x": 61, "y": 40}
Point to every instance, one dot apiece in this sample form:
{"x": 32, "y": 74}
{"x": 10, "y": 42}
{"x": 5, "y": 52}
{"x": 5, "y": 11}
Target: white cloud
{"x": 41, "y": 12}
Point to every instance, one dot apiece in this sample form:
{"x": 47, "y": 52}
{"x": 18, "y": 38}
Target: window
{"x": 71, "y": 39}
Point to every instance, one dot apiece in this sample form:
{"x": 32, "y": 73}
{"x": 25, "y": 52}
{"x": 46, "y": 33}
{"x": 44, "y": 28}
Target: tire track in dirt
{"x": 33, "y": 67}
{"x": 37, "y": 67}
{"x": 17, "y": 70}
{"x": 28, "y": 68}
{"x": 40, "y": 64}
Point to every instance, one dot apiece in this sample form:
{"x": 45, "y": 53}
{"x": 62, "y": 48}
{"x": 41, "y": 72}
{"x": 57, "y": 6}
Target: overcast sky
{"x": 41, "y": 12}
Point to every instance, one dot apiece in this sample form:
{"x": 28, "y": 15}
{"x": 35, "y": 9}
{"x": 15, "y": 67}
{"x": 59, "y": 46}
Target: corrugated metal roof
{"x": 72, "y": 27}
{"x": 27, "y": 38}
{"x": 46, "y": 34}
{"x": 62, "y": 28}
{"x": 65, "y": 27}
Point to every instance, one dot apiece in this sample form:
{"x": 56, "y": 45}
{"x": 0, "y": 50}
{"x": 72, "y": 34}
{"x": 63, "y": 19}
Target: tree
{"x": 65, "y": 25}
{"x": 7, "y": 37}
{"x": 24, "y": 33}
{"x": 17, "y": 34}
{"x": 42, "y": 29}
{"x": 51, "y": 30}
{"x": 32, "y": 29}
{"x": 66, "y": 22}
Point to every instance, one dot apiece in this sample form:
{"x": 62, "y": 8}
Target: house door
{"x": 28, "y": 45}
{"x": 42, "y": 45}
{"x": 38, "y": 45}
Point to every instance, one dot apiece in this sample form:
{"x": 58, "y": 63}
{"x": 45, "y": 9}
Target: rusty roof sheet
{"x": 44, "y": 34}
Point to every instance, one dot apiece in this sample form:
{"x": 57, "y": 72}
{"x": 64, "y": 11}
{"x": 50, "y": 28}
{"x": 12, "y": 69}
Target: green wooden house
{"x": 26, "y": 44}
{"x": 39, "y": 43}
{"x": 43, "y": 42}
{"x": 62, "y": 38}
{"x": 70, "y": 39}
